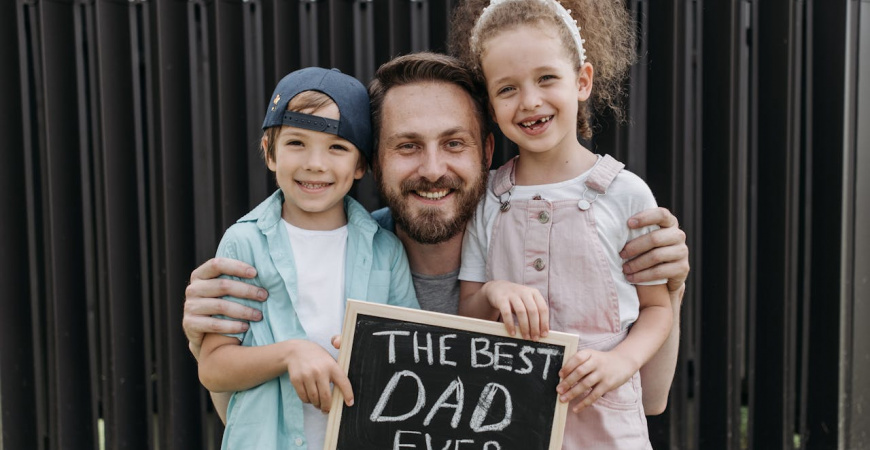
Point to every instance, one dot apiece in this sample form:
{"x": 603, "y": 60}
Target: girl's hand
{"x": 311, "y": 370}
{"x": 526, "y": 303}
{"x": 589, "y": 374}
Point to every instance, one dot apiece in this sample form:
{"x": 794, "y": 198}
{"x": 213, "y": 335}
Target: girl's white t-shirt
{"x": 319, "y": 258}
{"x": 627, "y": 195}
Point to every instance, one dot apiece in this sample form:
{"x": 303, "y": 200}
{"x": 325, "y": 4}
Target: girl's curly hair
{"x": 605, "y": 25}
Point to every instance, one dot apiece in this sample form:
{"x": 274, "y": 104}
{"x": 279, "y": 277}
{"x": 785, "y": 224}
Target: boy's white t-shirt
{"x": 320, "y": 259}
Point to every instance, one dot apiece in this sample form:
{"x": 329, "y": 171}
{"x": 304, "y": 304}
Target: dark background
{"x": 129, "y": 130}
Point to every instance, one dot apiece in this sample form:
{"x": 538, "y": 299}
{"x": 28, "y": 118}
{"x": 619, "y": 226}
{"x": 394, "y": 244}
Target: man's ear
{"x": 488, "y": 148}
{"x": 584, "y": 81}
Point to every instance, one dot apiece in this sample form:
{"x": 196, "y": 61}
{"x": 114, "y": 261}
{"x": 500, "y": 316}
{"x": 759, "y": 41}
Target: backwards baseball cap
{"x": 354, "y": 122}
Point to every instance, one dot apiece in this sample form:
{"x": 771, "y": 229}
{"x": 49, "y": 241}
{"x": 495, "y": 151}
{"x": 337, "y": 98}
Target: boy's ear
{"x": 264, "y": 145}
{"x": 585, "y": 76}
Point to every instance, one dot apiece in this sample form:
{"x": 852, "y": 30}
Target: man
{"x": 433, "y": 151}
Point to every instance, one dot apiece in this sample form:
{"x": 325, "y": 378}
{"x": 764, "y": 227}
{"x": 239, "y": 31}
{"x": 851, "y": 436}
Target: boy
{"x": 313, "y": 247}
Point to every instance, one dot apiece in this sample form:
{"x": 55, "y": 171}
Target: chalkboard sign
{"x": 424, "y": 380}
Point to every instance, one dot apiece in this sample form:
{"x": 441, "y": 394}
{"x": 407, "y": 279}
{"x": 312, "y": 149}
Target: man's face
{"x": 431, "y": 168}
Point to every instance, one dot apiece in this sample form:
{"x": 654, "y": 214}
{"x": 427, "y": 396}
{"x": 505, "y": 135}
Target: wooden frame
{"x": 356, "y": 308}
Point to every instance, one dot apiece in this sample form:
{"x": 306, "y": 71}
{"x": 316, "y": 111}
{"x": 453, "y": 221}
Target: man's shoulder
{"x": 385, "y": 219}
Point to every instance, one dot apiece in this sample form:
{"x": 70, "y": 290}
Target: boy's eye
{"x": 548, "y": 77}
{"x": 294, "y": 143}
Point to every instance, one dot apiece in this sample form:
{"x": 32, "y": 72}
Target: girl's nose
{"x": 530, "y": 99}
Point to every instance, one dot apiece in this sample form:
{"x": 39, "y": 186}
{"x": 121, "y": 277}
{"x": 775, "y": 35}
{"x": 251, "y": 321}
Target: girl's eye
{"x": 504, "y": 90}
{"x": 338, "y": 147}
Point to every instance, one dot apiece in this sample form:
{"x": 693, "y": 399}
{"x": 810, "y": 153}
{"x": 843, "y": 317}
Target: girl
{"x": 313, "y": 246}
{"x": 543, "y": 248}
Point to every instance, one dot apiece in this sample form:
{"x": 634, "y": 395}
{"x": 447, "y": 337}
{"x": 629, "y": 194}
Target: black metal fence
{"x": 129, "y": 130}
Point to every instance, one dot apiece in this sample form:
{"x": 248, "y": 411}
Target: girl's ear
{"x": 264, "y": 145}
{"x": 584, "y": 82}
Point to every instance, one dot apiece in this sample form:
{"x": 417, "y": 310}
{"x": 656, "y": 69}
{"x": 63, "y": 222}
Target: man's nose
{"x": 433, "y": 165}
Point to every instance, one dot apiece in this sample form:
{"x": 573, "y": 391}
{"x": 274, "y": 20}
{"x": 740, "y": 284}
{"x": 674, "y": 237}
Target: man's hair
{"x": 425, "y": 67}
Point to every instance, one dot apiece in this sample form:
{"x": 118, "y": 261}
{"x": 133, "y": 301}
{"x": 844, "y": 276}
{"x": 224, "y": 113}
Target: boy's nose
{"x": 315, "y": 162}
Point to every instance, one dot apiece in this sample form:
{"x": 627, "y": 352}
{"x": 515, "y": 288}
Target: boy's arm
{"x": 227, "y": 366}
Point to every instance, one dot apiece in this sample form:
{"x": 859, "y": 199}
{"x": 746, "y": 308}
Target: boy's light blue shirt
{"x": 270, "y": 416}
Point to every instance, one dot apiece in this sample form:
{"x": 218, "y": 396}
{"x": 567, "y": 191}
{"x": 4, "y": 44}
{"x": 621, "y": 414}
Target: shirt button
{"x": 543, "y": 217}
{"x": 299, "y": 442}
{"x": 539, "y": 264}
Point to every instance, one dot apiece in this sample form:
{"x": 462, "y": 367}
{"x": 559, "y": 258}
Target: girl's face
{"x": 315, "y": 170}
{"x": 534, "y": 88}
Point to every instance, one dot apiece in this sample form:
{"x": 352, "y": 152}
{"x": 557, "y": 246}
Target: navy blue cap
{"x": 348, "y": 93}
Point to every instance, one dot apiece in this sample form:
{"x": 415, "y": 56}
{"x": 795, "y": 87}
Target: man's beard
{"x": 430, "y": 226}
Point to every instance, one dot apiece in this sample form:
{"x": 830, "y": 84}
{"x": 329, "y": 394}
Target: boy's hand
{"x": 202, "y": 300}
{"x": 589, "y": 374}
{"x": 659, "y": 254}
{"x": 311, "y": 370}
{"x": 526, "y": 303}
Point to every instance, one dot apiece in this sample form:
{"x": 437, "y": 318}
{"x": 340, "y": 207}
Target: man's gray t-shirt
{"x": 439, "y": 293}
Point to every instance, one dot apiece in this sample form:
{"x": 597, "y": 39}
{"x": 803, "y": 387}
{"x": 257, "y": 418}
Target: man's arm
{"x": 659, "y": 254}
{"x": 203, "y": 299}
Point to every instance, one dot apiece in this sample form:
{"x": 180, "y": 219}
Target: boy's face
{"x": 314, "y": 170}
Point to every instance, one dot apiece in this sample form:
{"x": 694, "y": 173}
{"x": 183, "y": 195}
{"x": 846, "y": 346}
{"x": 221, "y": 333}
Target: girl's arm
{"x": 502, "y": 298}
{"x": 658, "y": 373}
{"x": 602, "y": 372}
{"x": 225, "y": 366}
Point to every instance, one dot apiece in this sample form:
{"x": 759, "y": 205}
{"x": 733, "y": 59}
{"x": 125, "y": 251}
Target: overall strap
{"x": 604, "y": 173}
{"x": 504, "y": 178}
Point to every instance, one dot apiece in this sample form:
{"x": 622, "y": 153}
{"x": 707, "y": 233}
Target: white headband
{"x": 564, "y": 14}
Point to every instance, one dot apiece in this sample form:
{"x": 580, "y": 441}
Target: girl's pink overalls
{"x": 553, "y": 246}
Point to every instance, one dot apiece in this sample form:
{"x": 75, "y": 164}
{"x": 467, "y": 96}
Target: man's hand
{"x": 202, "y": 300}
{"x": 659, "y": 254}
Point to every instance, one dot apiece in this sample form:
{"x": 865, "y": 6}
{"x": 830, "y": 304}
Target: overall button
{"x": 299, "y": 442}
{"x": 543, "y": 217}
{"x": 539, "y": 264}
